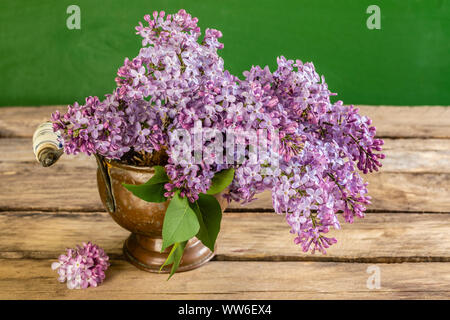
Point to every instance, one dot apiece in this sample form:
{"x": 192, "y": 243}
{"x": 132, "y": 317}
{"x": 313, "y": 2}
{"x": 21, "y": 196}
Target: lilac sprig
{"x": 325, "y": 145}
{"x": 82, "y": 267}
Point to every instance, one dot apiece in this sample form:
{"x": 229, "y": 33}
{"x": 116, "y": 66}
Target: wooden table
{"x": 406, "y": 232}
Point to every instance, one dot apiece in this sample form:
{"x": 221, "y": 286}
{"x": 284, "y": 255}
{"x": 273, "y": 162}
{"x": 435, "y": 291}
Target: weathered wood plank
{"x": 416, "y": 192}
{"x": 402, "y": 155}
{"x": 71, "y": 185}
{"x": 410, "y": 122}
{"x": 415, "y": 177}
{"x": 416, "y": 155}
{"x": 33, "y": 279}
{"x": 405, "y": 122}
{"x": 379, "y": 238}
{"x": 23, "y": 121}
{"x": 20, "y": 150}
{"x": 63, "y": 187}
{"x": 75, "y": 175}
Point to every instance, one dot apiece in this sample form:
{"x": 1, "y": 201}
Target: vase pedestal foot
{"x": 144, "y": 253}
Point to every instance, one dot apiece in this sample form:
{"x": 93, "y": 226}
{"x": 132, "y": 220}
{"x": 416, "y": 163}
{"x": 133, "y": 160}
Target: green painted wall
{"x": 405, "y": 63}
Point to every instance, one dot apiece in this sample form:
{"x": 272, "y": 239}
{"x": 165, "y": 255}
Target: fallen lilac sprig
{"x": 82, "y": 267}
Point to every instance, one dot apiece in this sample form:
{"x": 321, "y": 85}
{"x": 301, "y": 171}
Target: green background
{"x": 405, "y": 63}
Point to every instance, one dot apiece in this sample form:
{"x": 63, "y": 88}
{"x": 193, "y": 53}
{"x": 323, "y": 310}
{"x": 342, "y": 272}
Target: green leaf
{"x": 221, "y": 180}
{"x": 159, "y": 176}
{"x": 170, "y": 258}
{"x": 153, "y": 190}
{"x": 177, "y": 255}
{"x": 209, "y": 214}
{"x": 174, "y": 257}
{"x": 180, "y": 222}
{"x": 148, "y": 192}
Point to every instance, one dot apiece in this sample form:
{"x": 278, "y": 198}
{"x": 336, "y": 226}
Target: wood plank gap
{"x": 325, "y": 258}
{"x": 368, "y": 211}
{"x": 50, "y": 209}
{"x": 49, "y": 213}
{"x": 382, "y": 136}
{"x": 18, "y": 212}
{"x": 378, "y": 211}
{"x": 31, "y": 255}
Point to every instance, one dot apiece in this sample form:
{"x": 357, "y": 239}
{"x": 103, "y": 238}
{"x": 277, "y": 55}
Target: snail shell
{"x": 46, "y": 145}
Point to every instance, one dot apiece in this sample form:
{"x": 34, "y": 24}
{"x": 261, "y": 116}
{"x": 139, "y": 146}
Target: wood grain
{"x": 23, "y": 121}
{"x": 415, "y": 177}
{"x": 33, "y": 279}
{"x": 416, "y": 156}
{"x": 379, "y": 238}
{"x": 415, "y": 192}
{"x": 44, "y": 210}
{"x": 409, "y": 122}
{"x": 402, "y": 155}
{"x": 398, "y": 122}
{"x": 72, "y": 187}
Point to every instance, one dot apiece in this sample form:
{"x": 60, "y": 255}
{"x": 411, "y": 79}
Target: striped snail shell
{"x": 46, "y": 145}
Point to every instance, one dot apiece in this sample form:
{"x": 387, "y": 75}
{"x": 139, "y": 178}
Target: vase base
{"x": 144, "y": 253}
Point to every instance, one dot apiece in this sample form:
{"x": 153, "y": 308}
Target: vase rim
{"x": 120, "y": 165}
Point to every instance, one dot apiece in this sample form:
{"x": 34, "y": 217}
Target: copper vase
{"x": 143, "y": 219}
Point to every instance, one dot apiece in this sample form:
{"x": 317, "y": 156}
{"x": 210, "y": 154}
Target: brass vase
{"x": 143, "y": 219}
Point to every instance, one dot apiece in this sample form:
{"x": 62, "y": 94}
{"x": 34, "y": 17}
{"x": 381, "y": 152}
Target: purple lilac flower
{"x": 324, "y": 146}
{"x": 82, "y": 267}
{"x": 178, "y": 80}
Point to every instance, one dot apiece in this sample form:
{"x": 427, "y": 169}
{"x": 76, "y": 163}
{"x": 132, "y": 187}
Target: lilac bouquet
{"x": 207, "y": 131}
